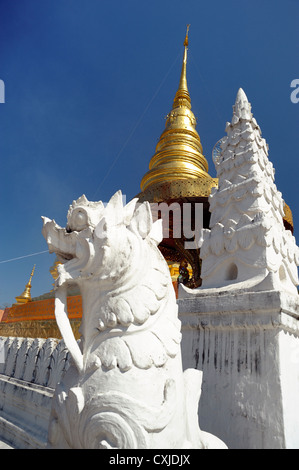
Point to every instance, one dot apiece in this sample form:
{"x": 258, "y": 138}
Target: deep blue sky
{"x": 88, "y": 86}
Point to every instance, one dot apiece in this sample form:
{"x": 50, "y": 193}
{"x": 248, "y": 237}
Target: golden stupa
{"x": 178, "y": 172}
{"x": 178, "y": 167}
{"x": 25, "y": 297}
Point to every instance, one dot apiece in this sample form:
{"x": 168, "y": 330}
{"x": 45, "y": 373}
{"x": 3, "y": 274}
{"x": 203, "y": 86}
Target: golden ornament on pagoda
{"x": 26, "y": 295}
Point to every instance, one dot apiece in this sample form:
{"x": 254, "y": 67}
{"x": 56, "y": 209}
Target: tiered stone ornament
{"x": 247, "y": 244}
{"x": 126, "y": 388}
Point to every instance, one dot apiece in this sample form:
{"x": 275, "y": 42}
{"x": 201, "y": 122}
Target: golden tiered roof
{"x": 178, "y": 167}
{"x": 178, "y": 172}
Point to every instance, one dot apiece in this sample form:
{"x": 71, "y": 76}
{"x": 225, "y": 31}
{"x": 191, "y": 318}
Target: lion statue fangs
{"x": 125, "y": 387}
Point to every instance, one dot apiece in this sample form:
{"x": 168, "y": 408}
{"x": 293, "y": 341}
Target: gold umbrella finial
{"x": 182, "y": 97}
{"x": 31, "y": 275}
{"x": 186, "y": 38}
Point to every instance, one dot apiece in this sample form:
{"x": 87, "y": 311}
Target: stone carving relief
{"x": 125, "y": 387}
{"x": 21, "y": 358}
{"x": 247, "y": 244}
{"x": 38, "y": 361}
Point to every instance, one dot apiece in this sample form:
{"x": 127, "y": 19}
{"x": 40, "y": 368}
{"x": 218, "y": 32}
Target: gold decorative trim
{"x": 37, "y": 329}
{"x": 166, "y": 191}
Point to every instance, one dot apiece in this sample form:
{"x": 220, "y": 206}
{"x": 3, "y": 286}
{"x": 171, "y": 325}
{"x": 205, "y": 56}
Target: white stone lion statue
{"x": 126, "y": 387}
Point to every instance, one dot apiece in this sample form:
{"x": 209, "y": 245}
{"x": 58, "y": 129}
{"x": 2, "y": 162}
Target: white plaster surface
{"x": 289, "y": 373}
{"x": 247, "y": 345}
{"x": 4, "y": 445}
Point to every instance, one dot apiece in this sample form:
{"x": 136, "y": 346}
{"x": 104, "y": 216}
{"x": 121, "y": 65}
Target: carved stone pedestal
{"x": 247, "y": 345}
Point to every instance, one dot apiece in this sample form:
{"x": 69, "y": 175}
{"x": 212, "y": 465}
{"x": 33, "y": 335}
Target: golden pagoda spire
{"x": 26, "y": 296}
{"x": 178, "y": 172}
{"x": 178, "y": 158}
{"x": 182, "y": 96}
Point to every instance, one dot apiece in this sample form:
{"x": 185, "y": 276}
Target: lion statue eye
{"x": 79, "y": 220}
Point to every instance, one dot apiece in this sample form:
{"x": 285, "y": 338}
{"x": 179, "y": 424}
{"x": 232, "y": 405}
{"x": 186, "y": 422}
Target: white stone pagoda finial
{"x": 247, "y": 244}
{"x": 242, "y": 107}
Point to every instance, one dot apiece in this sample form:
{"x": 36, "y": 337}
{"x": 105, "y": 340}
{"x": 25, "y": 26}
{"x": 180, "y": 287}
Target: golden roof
{"x": 178, "y": 167}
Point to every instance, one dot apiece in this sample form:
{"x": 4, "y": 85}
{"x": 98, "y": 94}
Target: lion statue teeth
{"x": 126, "y": 387}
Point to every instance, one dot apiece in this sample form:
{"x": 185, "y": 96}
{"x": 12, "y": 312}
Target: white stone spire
{"x": 247, "y": 243}
{"x": 242, "y": 107}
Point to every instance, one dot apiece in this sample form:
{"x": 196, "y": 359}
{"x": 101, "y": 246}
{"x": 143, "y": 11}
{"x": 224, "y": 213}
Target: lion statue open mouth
{"x": 126, "y": 388}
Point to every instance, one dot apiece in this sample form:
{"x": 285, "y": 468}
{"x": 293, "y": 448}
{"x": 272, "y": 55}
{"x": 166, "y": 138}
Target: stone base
{"x": 247, "y": 345}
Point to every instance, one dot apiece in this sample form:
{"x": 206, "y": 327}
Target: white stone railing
{"x": 28, "y": 376}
